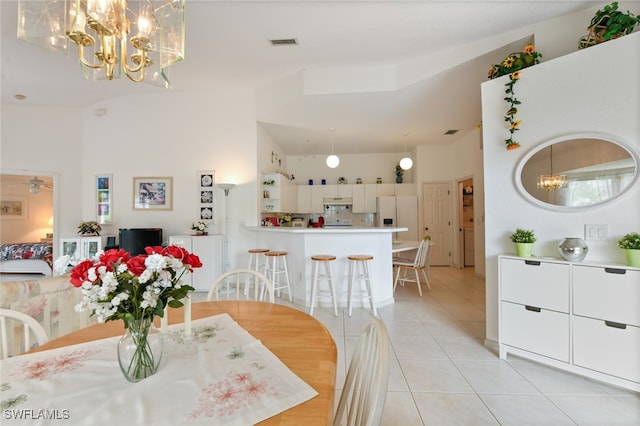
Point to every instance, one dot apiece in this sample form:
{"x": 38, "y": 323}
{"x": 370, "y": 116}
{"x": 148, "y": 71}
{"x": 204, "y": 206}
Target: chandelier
{"x": 552, "y": 182}
{"x": 139, "y": 39}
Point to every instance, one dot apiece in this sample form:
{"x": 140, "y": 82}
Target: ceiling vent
{"x": 283, "y": 42}
{"x": 451, "y": 132}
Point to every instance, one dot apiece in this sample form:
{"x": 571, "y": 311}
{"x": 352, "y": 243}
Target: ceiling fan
{"x": 35, "y": 185}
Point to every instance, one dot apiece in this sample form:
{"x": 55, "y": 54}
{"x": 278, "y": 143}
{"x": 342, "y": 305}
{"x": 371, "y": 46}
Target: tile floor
{"x": 441, "y": 374}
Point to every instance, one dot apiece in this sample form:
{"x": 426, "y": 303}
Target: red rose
{"x": 80, "y": 273}
{"x": 192, "y": 260}
{"x": 154, "y": 250}
{"x": 136, "y": 265}
{"x": 113, "y": 256}
{"x": 176, "y": 252}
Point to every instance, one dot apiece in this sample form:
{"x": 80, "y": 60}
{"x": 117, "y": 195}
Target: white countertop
{"x": 345, "y": 230}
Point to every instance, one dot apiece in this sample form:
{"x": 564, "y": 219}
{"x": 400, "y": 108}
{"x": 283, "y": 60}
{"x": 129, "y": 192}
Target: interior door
{"x": 436, "y": 211}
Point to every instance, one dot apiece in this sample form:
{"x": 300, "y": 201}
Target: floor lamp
{"x": 226, "y": 187}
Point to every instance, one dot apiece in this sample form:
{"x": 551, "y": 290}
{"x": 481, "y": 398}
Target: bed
{"x": 26, "y": 258}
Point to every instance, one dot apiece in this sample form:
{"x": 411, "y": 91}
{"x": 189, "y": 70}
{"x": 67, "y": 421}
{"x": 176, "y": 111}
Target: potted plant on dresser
{"x": 630, "y": 243}
{"x": 523, "y": 240}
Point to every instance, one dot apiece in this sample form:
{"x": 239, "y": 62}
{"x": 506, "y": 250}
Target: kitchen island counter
{"x": 302, "y": 243}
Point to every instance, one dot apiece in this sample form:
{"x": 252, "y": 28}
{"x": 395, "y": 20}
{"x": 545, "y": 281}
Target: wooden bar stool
{"x": 359, "y": 271}
{"x": 317, "y": 260}
{"x": 255, "y": 257}
{"x": 278, "y": 271}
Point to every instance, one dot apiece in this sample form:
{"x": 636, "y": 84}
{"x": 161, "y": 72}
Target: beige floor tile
{"x": 452, "y": 409}
{"x": 433, "y": 376}
{"x": 525, "y": 410}
{"x": 400, "y": 409}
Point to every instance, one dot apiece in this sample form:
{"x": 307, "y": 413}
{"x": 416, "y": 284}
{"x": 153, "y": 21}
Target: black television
{"x": 134, "y": 240}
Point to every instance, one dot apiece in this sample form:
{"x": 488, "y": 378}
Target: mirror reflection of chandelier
{"x": 552, "y": 182}
{"x": 138, "y": 38}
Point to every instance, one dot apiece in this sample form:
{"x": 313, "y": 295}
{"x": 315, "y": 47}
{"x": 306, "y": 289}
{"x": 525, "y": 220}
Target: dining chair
{"x": 421, "y": 263}
{"x": 29, "y": 326}
{"x": 231, "y": 283}
{"x": 365, "y": 388}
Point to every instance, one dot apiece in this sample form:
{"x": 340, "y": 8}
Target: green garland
{"x": 512, "y": 65}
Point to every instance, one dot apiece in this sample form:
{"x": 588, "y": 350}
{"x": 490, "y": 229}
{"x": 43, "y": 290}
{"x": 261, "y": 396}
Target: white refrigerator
{"x": 399, "y": 211}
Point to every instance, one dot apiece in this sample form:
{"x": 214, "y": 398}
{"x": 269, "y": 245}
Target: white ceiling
{"x": 394, "y": 67}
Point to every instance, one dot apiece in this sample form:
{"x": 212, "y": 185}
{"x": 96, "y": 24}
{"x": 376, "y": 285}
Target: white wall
{"x": 47, "y": 140}
{"x": 595, "y": 89}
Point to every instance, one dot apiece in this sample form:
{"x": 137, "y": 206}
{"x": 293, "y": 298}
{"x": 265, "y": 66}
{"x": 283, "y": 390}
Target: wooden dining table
{"x": 299, "y": 340}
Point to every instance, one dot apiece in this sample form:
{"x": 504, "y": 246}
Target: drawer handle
{"x": 615, "y": 325}
{"x": 615, "y": 271}
{"x": 532, "y": 262}
{"x": 532, "y": 308}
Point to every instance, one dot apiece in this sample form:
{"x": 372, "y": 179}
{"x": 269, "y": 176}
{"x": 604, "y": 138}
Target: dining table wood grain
{"x": 299, "y": 340}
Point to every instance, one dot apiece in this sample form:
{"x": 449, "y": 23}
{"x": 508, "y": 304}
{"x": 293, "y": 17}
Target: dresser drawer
{"x": 607, "y": 348}
{"x": 607, "y": 294}
{"x": 536, "y": 283}
{"x": 536, "y": 330}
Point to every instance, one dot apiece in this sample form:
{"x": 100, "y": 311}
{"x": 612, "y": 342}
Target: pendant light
{"x": 406, "y": 163}
{"x": 332, "y": 160}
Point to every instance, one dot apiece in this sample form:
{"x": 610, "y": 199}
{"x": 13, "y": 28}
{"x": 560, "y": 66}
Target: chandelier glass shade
{"x": 139, "y": 39}
{"x": 333, "y": 161}
{"x": 406, "y": 163}
{"x": 552, "y": 182}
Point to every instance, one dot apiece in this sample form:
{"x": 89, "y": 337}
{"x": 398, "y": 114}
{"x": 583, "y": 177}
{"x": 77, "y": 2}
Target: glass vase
{"x": 140, "y": 350}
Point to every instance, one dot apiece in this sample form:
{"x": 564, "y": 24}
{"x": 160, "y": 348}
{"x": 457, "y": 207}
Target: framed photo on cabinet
{"x": 104, "y": 197}
{"x": 206, "y": 195}
{"x": 153, "y": 193}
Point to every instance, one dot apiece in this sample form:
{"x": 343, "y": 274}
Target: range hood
{"x": 338, "y": 201}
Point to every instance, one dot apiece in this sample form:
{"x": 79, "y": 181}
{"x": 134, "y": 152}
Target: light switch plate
{"x": 593, "y": 232}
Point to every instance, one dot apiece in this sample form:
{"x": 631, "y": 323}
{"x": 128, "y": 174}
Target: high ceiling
{"x": 383, "y": 74}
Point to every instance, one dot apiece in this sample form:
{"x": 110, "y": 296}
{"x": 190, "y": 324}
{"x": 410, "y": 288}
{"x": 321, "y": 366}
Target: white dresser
{"x": 209, "y": 250}
{"x": 581, "y": 317}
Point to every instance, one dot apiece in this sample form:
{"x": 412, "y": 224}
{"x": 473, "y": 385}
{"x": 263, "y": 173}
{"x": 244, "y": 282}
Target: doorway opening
{"x": 466, "y": 237}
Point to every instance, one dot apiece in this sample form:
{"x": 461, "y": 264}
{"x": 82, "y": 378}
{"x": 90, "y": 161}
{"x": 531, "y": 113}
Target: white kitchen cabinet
{"x": 385, "y": 189}
{"x": 278, "y": 194}
{"x": 209, "y": 249}
{"x": 404, "y": 189}
{"x": 310, "y": 199}
{"x": 580, "y": 317}
{"x": 364, "y": 198}
{"x": 338, "y": 191}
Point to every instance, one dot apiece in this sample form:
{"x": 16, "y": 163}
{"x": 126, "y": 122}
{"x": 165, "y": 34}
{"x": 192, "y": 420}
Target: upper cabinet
{"x": 310, "y": 199}
{"x": 278, "y": 194}
{"x": 338, "y": 191}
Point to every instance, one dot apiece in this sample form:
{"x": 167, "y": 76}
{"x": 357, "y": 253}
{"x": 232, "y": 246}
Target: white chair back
{"x": 233, "y": 285}
{"x": 8, "y": 320}
{"x": 365, "y": 388}
{"x": 422, "y": 253}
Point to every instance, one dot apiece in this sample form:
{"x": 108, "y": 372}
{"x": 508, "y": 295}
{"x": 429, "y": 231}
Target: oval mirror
{"x": 576, "y": 172}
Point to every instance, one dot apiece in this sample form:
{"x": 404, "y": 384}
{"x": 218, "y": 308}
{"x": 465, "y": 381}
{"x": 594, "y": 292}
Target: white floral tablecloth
{"x": 230, "y": 379}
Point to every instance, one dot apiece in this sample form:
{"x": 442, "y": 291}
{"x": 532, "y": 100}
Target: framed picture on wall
{"x": 13, "y": 207}
{"x": 153, "y": 193}
{"x": 206, "y": 195}
{"x": 104, "y": 197}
